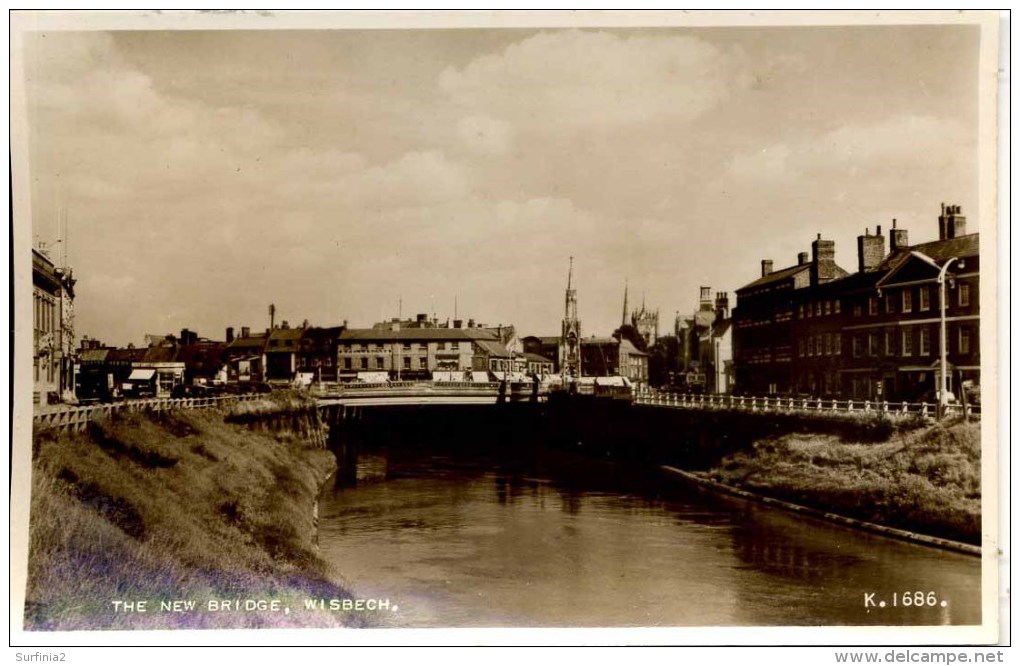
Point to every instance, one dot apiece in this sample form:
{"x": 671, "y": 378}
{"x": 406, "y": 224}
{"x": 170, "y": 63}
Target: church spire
{"x": 623, "y": 322}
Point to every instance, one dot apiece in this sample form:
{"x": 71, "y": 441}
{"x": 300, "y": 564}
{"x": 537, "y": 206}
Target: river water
{"x": 461, "y": 539}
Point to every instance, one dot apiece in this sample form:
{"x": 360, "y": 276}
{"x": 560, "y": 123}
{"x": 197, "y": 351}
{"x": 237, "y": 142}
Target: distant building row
{"x": 410, "y": 349}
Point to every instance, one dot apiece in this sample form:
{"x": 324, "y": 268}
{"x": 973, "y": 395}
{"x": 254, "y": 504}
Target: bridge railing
{"x": 77, "y": 418}
{"x": 703, "y": 401}
{"x": 401, "y": 388}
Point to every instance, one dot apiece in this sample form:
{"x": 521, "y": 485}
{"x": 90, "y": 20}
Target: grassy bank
{"x": 926, "y": 480}
{"x": 178, "y": 506}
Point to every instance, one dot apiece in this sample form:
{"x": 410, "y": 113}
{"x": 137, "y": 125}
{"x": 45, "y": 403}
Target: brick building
{"x": 873, "y": 334}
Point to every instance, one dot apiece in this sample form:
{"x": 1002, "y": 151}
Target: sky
{"x": 362, "y": 174}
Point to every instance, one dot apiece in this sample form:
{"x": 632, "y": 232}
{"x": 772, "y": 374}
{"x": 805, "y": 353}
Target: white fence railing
{"x": 646, "y": 396}
{"x": 77, "y": 418}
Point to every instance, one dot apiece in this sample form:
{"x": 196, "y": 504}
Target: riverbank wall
{"x": 182, "y": 519}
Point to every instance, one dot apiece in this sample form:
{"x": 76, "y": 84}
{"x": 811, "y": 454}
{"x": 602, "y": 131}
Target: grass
{"x": 179, "y": 505}
{"x": 926, "y": 480}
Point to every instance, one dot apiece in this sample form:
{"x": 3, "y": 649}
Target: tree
{"x": 631, "y": 334}
{"x": 662, "y": 360}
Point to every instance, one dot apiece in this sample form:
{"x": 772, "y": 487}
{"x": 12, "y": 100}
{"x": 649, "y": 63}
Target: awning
{"x": 142, "y": 375}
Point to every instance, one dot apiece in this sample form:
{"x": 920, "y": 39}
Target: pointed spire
{"x": 625, "y": 286}
{"x": 570, "y": 273}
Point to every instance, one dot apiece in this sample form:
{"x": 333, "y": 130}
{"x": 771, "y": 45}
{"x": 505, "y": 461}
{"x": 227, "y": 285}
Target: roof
{"x": 250, "y": 342}
{"x": 286, "y": 333}
{"x": 628, "y": 347}
{"x": 940, "y": 250}
{"x": 415, "y": 334}
{"x": 536, "y": 358}
{"x": 720, "y": 328}
{"x": 93, "y": 355}
{"x": 544, "y": 339}
{"x": 599, "y": 341}
{"x": 159, "y": 354}
{"x": 128, "y": 355}
{"x": 776, "y": 276}
{"x": 493, "y": 348}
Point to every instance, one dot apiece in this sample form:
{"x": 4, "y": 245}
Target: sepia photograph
{"x": 679, "y": 322}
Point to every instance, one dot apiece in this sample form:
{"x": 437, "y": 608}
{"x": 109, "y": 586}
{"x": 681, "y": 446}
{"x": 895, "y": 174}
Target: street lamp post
{"x": 943, "y": 390}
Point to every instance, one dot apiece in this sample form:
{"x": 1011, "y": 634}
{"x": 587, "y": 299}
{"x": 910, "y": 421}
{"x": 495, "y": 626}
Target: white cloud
{"x": 485, "y": 135}
{"x": 566, "y": 80}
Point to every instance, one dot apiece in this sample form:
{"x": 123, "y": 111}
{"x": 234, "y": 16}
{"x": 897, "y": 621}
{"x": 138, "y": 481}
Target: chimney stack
{"x": 766, "y": 267}
{"x": 897, "y": 238}
{"x": 245, "y": 331}
{"x": 803, "y": 258}
{"x": 230, "y": 334}
{"x": 458, "y": 323}
{"x": 951, "y": 222}
{"x": 870, "y": 250}
{"x": 722, "y": 306}
{"x": 823, "y": 261}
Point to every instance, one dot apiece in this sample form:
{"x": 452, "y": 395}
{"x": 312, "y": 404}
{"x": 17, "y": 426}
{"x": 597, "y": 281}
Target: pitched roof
{"x": 159, "y": 354}
{"x": 628, "y": 346}
{"x": 286, "y": 333}
{"x": 416, "y": 334}
{"x": 93, "y": 355}
{"x": 493, "y": 348}
{"x": 776, "y": 276}
{"x": 940, "y": 250}
{"x": 536, "y": 358}
{"x": 250, "y": 342}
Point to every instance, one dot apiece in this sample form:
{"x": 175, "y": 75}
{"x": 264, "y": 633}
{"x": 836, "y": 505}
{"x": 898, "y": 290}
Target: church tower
{"x": 570, "y": 336}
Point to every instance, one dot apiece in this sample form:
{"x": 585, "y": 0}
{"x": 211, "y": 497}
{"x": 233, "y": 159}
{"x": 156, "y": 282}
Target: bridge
{"x": 423, "y": 393}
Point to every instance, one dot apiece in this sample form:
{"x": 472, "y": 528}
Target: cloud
{"x": 907, "y": 144}
{"x": 572, "y": 79}
{"x": 485, "y": 135}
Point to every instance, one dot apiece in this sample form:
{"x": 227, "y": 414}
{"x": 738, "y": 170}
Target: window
{"x": 890, "y": 303}
{"x": 836, "y": 306}
{"x": 872, "y": 344}
{"x": 857, "y": 310}
{"x": 856, "y": 343}
{"x": 873, "y": 305}
{"x": 964, "y": 295}
{"x": 907, "y": 343}
{"x": 423, "y": 363}
{"x": 809, "y": 311}
{"x": 907, "y": 301}
{"x": 800, "y": 347}
{"x": 441, "y": 346}
{"x": 924, "y": 342}
{"x": 407, "y": 345}
{"x": 890, "y": 343}
{"x": 347, "y": 364}
{"x": 828, "y": 307}
{"x": 407, "y": 363}
{"x": 837, "y": 343}
{"x": 380, "y": 362}
{"x": 800, "y": 311}
{"x": 923, "y": 299}
{"x": 454, "y": 345}
{"x": 964, "y": 344}
{"x": 364, "y": 363}
{"x": 828, "y": 344}
{"x": 818, "y": 309}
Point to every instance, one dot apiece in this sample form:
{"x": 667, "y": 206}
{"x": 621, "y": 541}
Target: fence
{"x": 77, "y": 419}
{"x": 702, "y": 401}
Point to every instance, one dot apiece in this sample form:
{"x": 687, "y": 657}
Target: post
{"x": 942, "y": 397}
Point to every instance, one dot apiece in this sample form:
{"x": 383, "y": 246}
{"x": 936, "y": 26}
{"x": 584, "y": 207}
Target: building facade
{"x": 416, "y": 353}
{"x": 874, "y": 334}
{"x": 53, "y": 343}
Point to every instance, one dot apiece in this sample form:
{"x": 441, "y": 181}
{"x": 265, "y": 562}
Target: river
{"x": 465, "y": 539}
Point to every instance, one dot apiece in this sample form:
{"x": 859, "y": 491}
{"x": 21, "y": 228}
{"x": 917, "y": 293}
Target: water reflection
{"x": 476, "y": 541}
